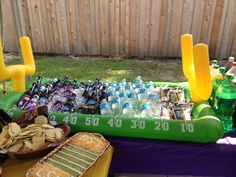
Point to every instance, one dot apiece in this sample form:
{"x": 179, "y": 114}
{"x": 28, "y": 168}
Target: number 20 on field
{"x": 161, "y": 126}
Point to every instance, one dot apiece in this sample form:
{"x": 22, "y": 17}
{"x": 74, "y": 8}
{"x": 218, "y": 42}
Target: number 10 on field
{"x": 187, "y": 127}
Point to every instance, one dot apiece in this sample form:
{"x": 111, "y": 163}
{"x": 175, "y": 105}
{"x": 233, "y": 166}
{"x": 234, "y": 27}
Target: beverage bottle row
{"x": 130, "y": 108}
{"x": 223, "y": 98}
{"x": 62, "y": 95}
{"x": 145, "y": 100}
{"x": 117, "y": 98}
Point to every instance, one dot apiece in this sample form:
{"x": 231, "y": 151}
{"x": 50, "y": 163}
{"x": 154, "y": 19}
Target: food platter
{"x": 44, "y": 150}
{"x": 31, "y": 134}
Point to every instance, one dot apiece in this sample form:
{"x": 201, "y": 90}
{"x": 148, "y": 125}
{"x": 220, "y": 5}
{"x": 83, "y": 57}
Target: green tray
{"x": 204, "y": 127}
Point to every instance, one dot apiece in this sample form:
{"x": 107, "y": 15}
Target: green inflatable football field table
{"x": 204, "y": 126}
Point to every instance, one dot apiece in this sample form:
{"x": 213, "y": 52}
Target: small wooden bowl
{"x": 44, "y": 150}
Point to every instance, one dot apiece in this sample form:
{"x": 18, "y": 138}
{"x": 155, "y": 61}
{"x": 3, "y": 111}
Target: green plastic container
{"x": 204, "y": 127}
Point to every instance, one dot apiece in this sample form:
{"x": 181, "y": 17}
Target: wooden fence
{"x": 122, "y": 27}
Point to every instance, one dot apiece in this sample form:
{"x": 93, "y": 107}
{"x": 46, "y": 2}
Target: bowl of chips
{"x": 34, "y": 139}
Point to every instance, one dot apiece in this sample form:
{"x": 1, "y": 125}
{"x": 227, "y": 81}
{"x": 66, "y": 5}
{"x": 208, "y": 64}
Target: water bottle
{"x": 113, "y": 84}
{"x": 119, "y": 89}
{"x": 145, "y": 110}
{"x": 111, "y": 95}
{"x": 128, "y": 88}
{"x": 150, "y": 87}
{"x": 129, "y": 109}
{"x": 153, "y": 98}
{"x": 123, "y": 82}
{"x": 143, "y": 95}
{"x": 154, "y": 101}
{"x": 137, "y": 86}
{"x": 123, "y": 96}
{"x": 105, "y": 109}
{"x": 225, "y": 101}
{"x": 133, "y": 98}
{"x": 138, "y": 80}
{"x": 117, "y": 106}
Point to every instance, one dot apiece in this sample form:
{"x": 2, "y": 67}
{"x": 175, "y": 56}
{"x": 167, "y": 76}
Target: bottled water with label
{"x": 143, "y": 95}
{"x": 119, "y": 89}
{"x": 123, "y": 96}
{"x": 117, "y": 106}
{"x": 111, "y": 95}
{"x": 113, "y": 84}
{"x": 105, "y": 109}
{"x": 129, "y": 109}
{"x": 123, "y": 82}
{"x": 137, "y": 87}
{"x": 146, "y": 110}
{"x": 138, "y": 80}
{"x": 128, "y": 88}
{"x": 156, "y": 109}
{"x": 133, "y": 98}
{"x": 150, "y": 87}
{"x": 153, "y": 98}
{"x": 155, "y": 106}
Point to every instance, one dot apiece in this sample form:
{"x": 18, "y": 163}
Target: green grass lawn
{"x": 85, "y": 68}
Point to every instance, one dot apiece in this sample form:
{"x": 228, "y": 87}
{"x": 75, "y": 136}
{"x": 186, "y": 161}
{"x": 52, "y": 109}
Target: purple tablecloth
{"x": 174, "y": 158}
